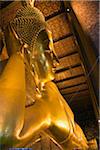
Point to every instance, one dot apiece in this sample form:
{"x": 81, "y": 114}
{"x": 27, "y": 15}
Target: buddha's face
{"x": 41, "y": 60}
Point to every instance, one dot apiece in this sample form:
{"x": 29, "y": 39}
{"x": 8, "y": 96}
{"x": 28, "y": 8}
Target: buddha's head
{"x": 30, "y": 29}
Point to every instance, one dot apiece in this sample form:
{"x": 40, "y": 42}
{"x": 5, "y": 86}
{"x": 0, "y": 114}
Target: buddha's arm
{"x": 63, "y": 127}
{"x": 46, "y": 114}
{"x": 12, "y": 99}
{"x": 37, "y": 119}
{"x": 14, "y": 117}
{"x": 55, "y": 117}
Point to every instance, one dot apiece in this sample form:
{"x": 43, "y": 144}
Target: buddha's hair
{"x": 28, "y": 23}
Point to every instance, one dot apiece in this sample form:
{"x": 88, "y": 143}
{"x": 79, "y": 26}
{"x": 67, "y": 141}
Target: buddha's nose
{"x": 12, "y": 99}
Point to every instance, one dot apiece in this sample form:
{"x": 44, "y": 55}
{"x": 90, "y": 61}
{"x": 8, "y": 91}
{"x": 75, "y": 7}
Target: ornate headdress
{"x": 27, "y": 24}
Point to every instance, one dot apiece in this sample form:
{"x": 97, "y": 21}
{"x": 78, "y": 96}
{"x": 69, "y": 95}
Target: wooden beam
{"x": 4, "y": 4}
{"x": 53, "y": 15}
{"x": 72, "y": 86}
{"x": 76, "y": 94}
{"x": 69, "y": 54}
{"x": 79, "y": 91}
{"x": 62, "y": 10}
{"x": 74, "y": 89}
{"x": 67, "y": 68}
{"x": 63, "y": 37}
{"x": 70, "y": 78}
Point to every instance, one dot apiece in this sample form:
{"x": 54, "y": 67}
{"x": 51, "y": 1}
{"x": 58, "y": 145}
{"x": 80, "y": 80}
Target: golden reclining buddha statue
{"x": 30, "y": 101}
